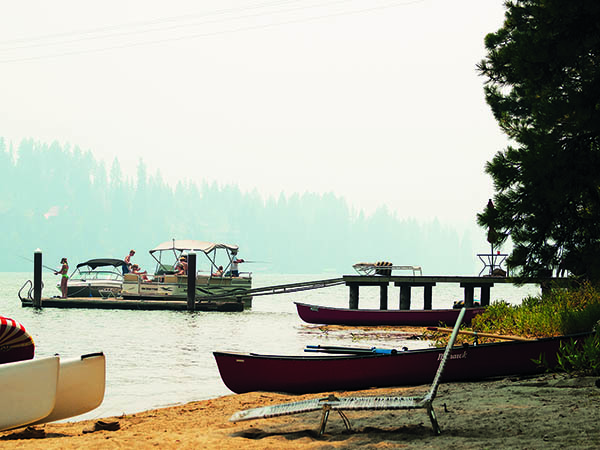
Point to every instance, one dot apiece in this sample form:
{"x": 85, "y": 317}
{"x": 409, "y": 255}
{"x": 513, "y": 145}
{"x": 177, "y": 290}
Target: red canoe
{"x": 15, "y": 343}
{"x": 305, "y": 374}
{"x": 371, "y": 317}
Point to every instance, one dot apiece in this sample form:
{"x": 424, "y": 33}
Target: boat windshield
{"x": 98, "y": 275}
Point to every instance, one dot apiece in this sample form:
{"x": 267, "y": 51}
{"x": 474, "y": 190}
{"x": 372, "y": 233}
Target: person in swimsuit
{"x": 127, "y": 266}
{"x": 181, "y": 267}
{"x": 63, "y": 272}
{"x": 135, "y": 269}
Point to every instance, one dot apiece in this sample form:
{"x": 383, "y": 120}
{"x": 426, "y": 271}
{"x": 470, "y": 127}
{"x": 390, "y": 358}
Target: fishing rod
{"x": 45, "y": 267}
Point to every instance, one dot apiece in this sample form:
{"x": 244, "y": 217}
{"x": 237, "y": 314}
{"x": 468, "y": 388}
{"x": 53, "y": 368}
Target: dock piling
{"x": 469, "y": 294}
{"x": 405, "y": 291}
{"x": 427, "y": 296}
{"x": 353, "y": 303}
{"x": 191, "y": 281}
{"x": 383, "y": 297}
{"x": 37, "y": 278}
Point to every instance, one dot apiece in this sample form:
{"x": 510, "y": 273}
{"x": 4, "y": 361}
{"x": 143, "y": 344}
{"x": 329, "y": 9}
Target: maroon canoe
{"x": 15, "y": 343}
{"x": 305, "y": 374}
{"x": 371, "y": 317}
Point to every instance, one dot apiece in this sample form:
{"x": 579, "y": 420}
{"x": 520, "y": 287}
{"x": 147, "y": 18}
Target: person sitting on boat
{"x": 234, "y": 264}
{"x": 181, "y": 267}
{"x": 127, "y": 265}
{"x": 135, "y": 269}
{"x": 219, "y": 272}
{"x": 64, "y": 277}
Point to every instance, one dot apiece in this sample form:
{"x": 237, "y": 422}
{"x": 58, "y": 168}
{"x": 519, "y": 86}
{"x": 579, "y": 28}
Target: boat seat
{"x": 332, "y": 402}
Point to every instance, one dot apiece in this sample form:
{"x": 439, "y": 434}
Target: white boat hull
{"x": 49, "y": 389}
{"x": 81, "y": 384}
{"x": 28, "y": 391}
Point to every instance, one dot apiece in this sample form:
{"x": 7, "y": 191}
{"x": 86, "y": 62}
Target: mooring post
{"x": 427, "y": 296}
{"x": 485, "y": 295}
{"x": 469, "y": 290}
{"x": 353, "y": 303}
{"x": 37, "y": 278}
{"x": 191, "y": 281}
{"x": 405, "y": 296}
{"x": 383, "y": 297}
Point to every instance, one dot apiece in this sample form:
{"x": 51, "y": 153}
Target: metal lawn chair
{"x": 332, "y": 402}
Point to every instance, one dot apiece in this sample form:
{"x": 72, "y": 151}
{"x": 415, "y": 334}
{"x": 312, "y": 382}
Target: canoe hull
{"x": 372, "y": 317}
{"x": 306, "y": 374}
{"x": 81, "y": 384}
{"x": 28, "y": 391}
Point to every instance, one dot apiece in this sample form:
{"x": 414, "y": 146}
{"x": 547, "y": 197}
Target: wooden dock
{"x": 141, "y": 305}
{"x": 406, "y": 283}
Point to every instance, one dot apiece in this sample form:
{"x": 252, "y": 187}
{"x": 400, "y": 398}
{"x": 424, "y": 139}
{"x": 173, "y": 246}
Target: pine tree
{"x": 543, "y": 86}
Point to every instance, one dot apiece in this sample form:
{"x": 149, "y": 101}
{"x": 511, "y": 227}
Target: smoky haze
{"x": 67, "y": 203}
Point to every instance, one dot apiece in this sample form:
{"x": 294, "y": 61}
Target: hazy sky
{"x": 377, "y": 101}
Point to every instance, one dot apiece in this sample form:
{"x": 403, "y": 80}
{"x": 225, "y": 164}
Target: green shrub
{"x": 581, "y": 357}
{"x": 560, "y": 312}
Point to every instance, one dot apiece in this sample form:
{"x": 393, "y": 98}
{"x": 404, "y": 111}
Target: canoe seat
{"x": 332, "y": 402}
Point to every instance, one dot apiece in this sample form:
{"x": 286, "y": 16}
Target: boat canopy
{"x": 102, "y": 262}
{"x": 188, "y": 245}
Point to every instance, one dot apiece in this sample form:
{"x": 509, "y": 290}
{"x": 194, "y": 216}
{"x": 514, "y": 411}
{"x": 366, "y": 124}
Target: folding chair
{"x": 332, "y": 402}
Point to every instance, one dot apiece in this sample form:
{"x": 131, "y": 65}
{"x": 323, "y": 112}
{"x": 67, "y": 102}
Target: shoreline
{"x": 543, "y": 411}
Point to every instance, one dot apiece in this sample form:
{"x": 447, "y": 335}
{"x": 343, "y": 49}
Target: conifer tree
{"x": 543, "y": 86}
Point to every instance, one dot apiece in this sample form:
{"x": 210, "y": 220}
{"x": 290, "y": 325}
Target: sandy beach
{"x": 549, "y": 411}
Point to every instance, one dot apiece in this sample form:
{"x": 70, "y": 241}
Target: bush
{"x": 581, "y": 357}
{"x": 557, "y": 313}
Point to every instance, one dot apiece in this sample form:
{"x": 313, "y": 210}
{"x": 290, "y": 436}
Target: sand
{"x": 552, "y": 411}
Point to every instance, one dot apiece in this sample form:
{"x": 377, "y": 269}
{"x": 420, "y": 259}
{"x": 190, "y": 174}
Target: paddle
{"x": 349, "y": 350}
{"x": 476, "y": 333}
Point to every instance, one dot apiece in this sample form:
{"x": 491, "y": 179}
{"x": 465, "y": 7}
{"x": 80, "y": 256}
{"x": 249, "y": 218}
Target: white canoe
{"x": 27, "y": 391}
{"x": 81, "y": 383}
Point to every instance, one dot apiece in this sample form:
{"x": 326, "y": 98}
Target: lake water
{"x": 163, "y": 358}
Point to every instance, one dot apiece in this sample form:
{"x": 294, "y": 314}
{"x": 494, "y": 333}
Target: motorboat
{"x": 101, "y": 277}
{"x": 216, "y": 278}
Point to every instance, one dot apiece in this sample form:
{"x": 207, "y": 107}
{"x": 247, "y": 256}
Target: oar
{"x": 476, "y": 333}
{"x": 351, "y": 350}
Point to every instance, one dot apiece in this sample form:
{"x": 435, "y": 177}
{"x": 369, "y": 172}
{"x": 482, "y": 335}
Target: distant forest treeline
{"x": 67, "y": 203}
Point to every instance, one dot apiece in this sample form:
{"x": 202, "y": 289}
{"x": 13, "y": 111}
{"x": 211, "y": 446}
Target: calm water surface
{"x": 162, "y": 358}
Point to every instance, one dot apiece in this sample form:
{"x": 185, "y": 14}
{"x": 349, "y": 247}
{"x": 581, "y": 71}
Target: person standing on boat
{"x": 64, "y": 277}
{"x": 234, "y": 264}
{"x": 127, "y": 265}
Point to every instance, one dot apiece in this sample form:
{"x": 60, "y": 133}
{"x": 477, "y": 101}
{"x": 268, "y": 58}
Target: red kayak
{"x": 305, "y": 374}
{"x": 15, "y": 343}
{"x": 372, "y": 317}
